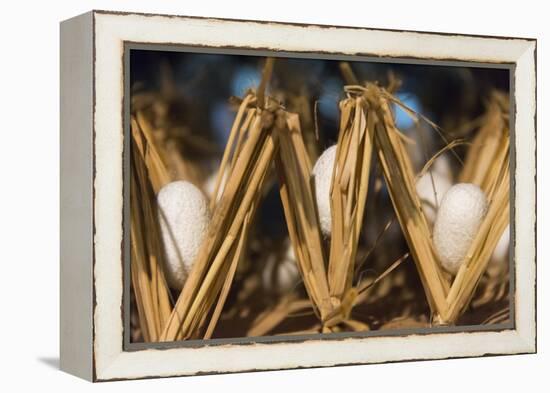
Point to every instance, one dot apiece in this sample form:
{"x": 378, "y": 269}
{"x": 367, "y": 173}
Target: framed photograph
{"x": 245, "y": 195}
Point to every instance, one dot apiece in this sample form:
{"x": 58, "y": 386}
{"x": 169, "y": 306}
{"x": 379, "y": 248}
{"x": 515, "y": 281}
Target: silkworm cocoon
{"x": 210, "y": 184}
{"x": 431, "y": 194}
{"x": 281, "y": 276}
{"x": 322, "y": 176}
{"x": 502, "y": 250}
{"x": 184, "y": 217}
{"x": 458, "y": 219}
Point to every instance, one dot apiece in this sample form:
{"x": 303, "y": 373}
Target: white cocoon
{"x": 210, "y": 184}
{"x": 281, "y": 276}
{"x": 431, "y": 194}
{"x": 184, "y": 217}
{"x": 458, "y": 219}
{"x": 322, "y": 176}
{"x": 502, "y": 250}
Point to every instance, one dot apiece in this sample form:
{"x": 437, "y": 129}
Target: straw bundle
{"x": 447, "y": 300}
{"x": 148, "y": 174}
{"x": 246, "y": 160}
{"x": 487, "y": 165}
{"x": 330, "y": 290}
{"x": 349, "y": 193}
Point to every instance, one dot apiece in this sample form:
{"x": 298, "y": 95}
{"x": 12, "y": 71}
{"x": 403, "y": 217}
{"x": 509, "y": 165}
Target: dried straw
{"x": 487, "y": 165}
{"x": 447, "y": 301}
{"x": 149, "y": 284}
{"x": 253, "y": 146}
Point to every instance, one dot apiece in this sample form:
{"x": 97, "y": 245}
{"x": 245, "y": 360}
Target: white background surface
{"x": 29, "y": 196}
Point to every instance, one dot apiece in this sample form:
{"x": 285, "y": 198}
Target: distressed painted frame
{"x": 92, "y": 194}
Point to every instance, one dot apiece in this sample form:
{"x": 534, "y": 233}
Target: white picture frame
{"x": 92, "y": 194}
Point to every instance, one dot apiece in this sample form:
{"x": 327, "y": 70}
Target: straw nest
{"x": 335, "y": 292}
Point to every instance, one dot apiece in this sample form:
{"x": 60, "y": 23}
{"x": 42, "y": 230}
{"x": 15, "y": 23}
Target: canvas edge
{"x": 76, "y": 172}
{"x": 525, "y": 180}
